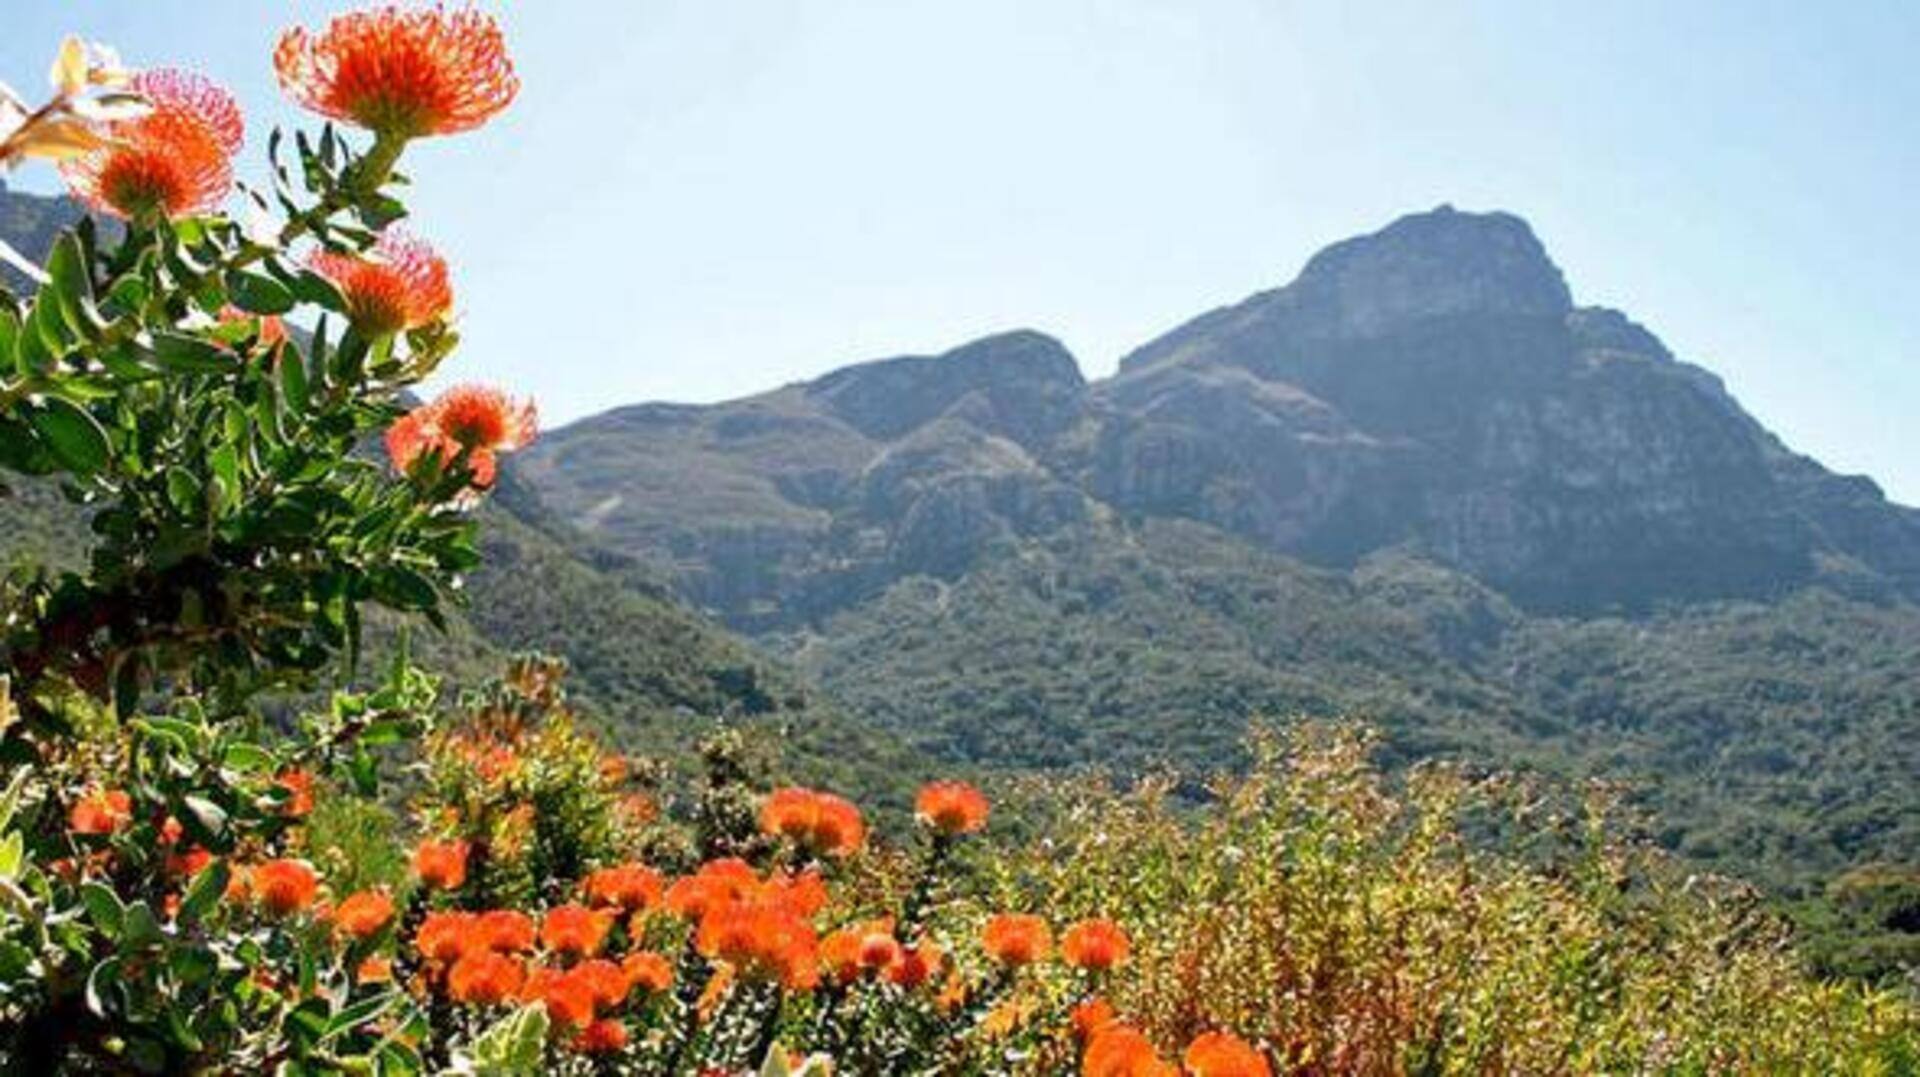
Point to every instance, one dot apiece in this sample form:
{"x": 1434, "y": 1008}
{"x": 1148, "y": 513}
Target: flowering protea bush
{"x": 206, "y": 865}
{"x": 206, "y": 385}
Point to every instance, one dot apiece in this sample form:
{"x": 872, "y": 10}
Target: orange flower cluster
{"x": 175, "y": 160}
{"x": 400, "y": 73}
{"x": 821, "y": 823}
{"x": 1016, "y": 939}
{"x": 485, "y": 978}
{"x": 280, "y": 887}
{"x": 761, "y": 927}
{"x": 575, "y": 930}
{"x": 1223, "y": 1054}
{"x": 363, "y": 915}
{"x": 441, "y": 865}
{"x": 481, "y": 421}
{"x": 1116, "y": 1049}
{"x": 631, "y": 888}
{"x": 1095, "y": 945}
{"x": 299, "y": 787}
{"x": 872, "y": 949}
{"x": 764, "y": 941}
{"x": 1119, "y": 1050}
{"x": 488, "y": 959}
{"x": 400, "y": 283}
{"x": 951, "y": 808}
{"x": 100, "y": 812}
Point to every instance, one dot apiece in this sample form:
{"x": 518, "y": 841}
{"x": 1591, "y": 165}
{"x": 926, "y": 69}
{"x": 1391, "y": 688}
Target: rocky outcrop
{"x": 1431, "y": 388}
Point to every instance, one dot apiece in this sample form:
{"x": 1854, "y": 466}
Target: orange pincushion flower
{"x": 400, "y": 73}
{"x": 444, "y": 936}
{"x": 568, "y": 998}
{"x": 575, "y": 929}
{"x": 879, "y": 950}
{"x": 362, "y": 915}
{"x": 608, "y": 981}
{"x": 506, "y": 930}
{"x": 189, "y": 863}
{"x": 717, "y": 883}
{"x": 839, "y": 955}
{"x": 821, "y": 822}
{"x": 1097, "y": 945}
{"x": 484, "y": 978}
{"x": 441, "y": 864}
{"x": 603, "y": 1037}
{"x": 176, "y": 160}
{"x": 479, "y": 420}
{"x": 401, "y": 283}
{"x": 764, "y": 942}
{"x": 804, "y": 894}
{"x": 1223, "y": 1054}
{"x": 915, "y": 965}
{"x": 629, "y": 887}
{"x": 102, "y": 811}
{"x": 1091, "y": 1016}
{"x": 1016, "y": 939}
{"x": 862, "y": 948}
{"x": 650, "y": 972}
{"x": 482, "y": 417}
{"x": 1118, "y": 1050}
{"x": 284, "y": 886}
{"x": 299, "y": 787}
{"x": 951, "y": 808}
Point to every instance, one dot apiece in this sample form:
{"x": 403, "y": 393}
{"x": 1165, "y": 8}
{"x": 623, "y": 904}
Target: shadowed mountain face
{"x": 1431, "y": 387}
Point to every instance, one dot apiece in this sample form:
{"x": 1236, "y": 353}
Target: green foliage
{"x": 1764, "y": 740}
{"x": 156, "y": 898}
{"x": 1346, "y": 920}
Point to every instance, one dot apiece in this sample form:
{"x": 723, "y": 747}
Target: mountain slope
{"x": 1419, "y": 483}
{"x": 653, "y": 672}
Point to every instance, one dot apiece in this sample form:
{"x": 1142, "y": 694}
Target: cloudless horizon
{"x": 706, "y": 200}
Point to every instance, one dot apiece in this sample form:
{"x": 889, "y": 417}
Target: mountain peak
{"x": 1020, "y": 370}
{"x": 1441, "y": 263}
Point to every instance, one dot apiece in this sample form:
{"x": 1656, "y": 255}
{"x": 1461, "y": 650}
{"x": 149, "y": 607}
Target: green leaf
{"x": 293, "y": 379}
{"x": 183, "y": 354}
{"x": 104, "y": 976}
{"x": 184, "y": 492}
{"x": 12, "y": 854}
{"x": 225, "y": 462}
{"x": 142, "y": 927}
{"x": 103, "y": 908}
{"x": 205, "y": 891}
{"x": 10, "y": 799}
{"x": 360, "y": 1013}
{"x": 257, "y": 294}
{"x": 75, "y": 437}
{"x": 69, "y": 285}
{"x": 512, "y": 1045}
{"x": 9, "y": 331}
{"x": 404, "y": 588}
{"x": 210, "y": 817}
{"x": 249, "y": 758}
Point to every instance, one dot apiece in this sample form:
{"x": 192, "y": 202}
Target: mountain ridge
{"x": 1420, "y": 484}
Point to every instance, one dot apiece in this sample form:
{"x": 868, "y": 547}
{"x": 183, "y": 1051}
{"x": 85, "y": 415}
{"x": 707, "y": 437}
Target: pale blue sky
{"x": 697, "y": 199}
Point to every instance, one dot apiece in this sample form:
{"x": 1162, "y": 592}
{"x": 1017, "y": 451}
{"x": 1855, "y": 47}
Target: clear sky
{"x": 698, "y": 199}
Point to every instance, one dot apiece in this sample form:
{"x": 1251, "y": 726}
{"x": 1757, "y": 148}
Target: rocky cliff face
{"x": 1430, "y": 387}
{"x": 784, "y": 507}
